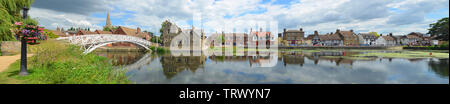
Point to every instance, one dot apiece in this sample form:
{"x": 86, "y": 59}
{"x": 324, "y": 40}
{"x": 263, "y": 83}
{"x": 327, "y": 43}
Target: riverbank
{"x": 342, "y": 47}
{"x": 119, "y": 49}
{"x": 55, "y": 62}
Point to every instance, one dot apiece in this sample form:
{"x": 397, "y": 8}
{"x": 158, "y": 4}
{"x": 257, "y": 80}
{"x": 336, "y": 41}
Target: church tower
{"x": 108, "y": 20}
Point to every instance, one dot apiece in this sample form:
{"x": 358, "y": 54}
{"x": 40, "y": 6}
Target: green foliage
{"x": 10, "y": 13}
{"x": 440, "y": 29}
{"x": 50, "y": 34}
{"x": 155, "y": 39}
{"x": 159, "y": 50}
{"x": 375, "y": 33}
{"x": 59, "y": 63}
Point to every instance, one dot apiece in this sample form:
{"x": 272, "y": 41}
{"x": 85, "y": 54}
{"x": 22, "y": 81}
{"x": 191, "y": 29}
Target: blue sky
{"x": 383, "y": 16}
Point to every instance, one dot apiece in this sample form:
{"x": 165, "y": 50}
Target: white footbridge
{"x": 91, "y": 42}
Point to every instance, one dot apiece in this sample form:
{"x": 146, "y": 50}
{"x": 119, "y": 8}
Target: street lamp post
{"x": 23, "y": 53}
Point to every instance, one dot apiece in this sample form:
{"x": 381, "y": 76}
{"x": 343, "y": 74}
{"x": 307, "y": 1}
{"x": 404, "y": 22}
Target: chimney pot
{"x": 301, "y": 29}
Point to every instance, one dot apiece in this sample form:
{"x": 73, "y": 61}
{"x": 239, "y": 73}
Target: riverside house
{"x": 294, "y": 37}
{"x": 349, "y": 37}
{"x": 257, "y": 38}
{"x": 388, "y": 40}
{"x": 367, "y": 39}
{"x": 169, "y": 31}
{"x": 326, "y": 40}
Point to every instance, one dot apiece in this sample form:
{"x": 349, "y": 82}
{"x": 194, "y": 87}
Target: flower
{"x": 18, "y": 23}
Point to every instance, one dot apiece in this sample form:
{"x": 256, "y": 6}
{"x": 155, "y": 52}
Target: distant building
{"x": 188, "y": 39}
{"x": 388, "y": 40}
{"x": 368, "y": 39}
{"x": 349, "y": 37}
{"x": 257, "y": 38}
{"x": 132, "y": 32}
{"x": 103, "y": 32}
{"x": 85, "y": 32}
{"x": 326, "y": 40}
{"x": 414, "y": 38}
{"x": 294, "y": 37}
{"x": 169, "y": 31}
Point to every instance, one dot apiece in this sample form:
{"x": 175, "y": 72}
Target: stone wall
{"x": 10, "y": 47}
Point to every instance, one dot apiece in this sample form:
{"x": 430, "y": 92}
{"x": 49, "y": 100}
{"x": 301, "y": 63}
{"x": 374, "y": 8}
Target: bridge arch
{"x": 91, "y": 42}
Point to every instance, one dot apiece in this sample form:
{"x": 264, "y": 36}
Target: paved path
{"x": 5, "y": 61}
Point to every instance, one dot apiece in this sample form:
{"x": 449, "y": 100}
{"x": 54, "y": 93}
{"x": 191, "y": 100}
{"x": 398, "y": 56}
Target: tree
{"x": 374, "y": 33}
{"x": 106, "y": 28}
{"x": 440, "y": 29}
{"x": 9, "y": 14}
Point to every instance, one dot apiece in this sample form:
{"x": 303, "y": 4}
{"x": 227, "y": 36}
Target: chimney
{"x": 316, "y": 33}
{"x": 301, "y": 29}
{"x": 381, "y": 34}
{"x": 138, "y": 30}
{"x": 390, "y": 34}
{"x": 284, "y": 30}
{"x": 251, "y": 30}
{"x": 338, "y": 31}
{"x": 351, "y": 30}
{"x": 260, "y": 29}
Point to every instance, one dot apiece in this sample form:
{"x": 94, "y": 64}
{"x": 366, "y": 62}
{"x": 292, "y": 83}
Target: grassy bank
{"x": 406, "y": 54}
{"x": 58, "y": 63}
{"x": 159, "y": 50}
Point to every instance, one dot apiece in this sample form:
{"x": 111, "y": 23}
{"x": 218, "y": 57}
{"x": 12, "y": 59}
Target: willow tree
{"x": 10, "y": 13}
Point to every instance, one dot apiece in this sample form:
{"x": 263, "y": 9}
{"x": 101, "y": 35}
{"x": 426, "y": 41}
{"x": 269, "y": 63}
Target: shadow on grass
{"x": 16, "y": 73}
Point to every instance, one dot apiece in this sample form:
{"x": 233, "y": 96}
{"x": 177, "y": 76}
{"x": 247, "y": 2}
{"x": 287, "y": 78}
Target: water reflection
{"x": 122, "y": 58}
{"x": 173, "y": 65}
{"x": 289, "y": 67}
{"x": 439, "y": 66}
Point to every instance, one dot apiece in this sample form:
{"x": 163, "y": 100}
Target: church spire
{"x": 108, "y": 20}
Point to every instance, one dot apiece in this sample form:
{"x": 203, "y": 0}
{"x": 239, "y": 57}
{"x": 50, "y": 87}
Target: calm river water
{"x": 281, "y": 68}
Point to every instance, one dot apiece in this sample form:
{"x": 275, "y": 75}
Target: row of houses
{"x": 172, "y": 35}
{"x": 350, "y": 38}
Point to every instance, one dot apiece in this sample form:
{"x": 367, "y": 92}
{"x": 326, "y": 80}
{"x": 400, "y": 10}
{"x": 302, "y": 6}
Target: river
{"x": 282, "y": 68}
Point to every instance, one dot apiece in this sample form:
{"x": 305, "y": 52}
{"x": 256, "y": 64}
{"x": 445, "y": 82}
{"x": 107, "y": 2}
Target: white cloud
{"x": 52, "y": 19}
{"x": 323, "y": 15}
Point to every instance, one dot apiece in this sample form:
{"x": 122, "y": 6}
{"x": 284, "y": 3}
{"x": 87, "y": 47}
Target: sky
{"x": 383, "y": 16}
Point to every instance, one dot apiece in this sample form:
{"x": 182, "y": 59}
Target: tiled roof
{"x": 347, "y": 33}
{"x": 388, "y": 38}
{"x": 412, "y": 37}
{"x": 132, "y": 32}
{"x": 367, "y": 35}
{"x": 103, "y": 32}
{"x": 87, "y": 32}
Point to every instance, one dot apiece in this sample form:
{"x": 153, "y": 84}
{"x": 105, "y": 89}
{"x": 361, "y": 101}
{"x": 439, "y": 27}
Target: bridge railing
{"x": 90, "y": 42}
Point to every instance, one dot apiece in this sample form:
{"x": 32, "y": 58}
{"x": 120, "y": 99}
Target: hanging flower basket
{"x": 31, "y": 34}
